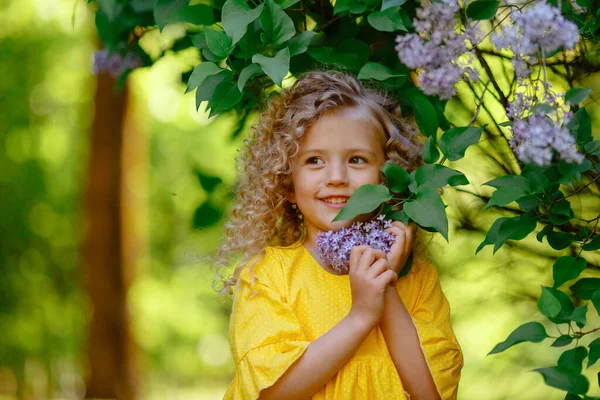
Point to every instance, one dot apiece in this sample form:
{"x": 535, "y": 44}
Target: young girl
{"x": 299, "y": 330}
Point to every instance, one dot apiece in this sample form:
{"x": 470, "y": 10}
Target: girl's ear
{"x": 292, "y": 197}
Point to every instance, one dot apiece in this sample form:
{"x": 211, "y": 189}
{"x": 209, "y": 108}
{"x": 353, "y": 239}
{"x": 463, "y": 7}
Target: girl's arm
{"x": 321, "y": 360}
{"x": 405, "y": 348}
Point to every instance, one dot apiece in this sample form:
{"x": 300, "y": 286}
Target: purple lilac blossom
{"x": 534, "y": 139}
{"x": 438, "y": 56}
{"x": 536, "y": 136}
{"x": 114, "y": 63}
{"x": 539, "y": 27}
{"x": 333, "y": 247}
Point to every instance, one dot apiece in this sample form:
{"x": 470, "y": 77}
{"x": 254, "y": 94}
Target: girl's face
{"x": 338, "y": 154}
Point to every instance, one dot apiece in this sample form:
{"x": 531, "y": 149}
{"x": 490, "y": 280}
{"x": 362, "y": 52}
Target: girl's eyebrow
{"x": 320, "y": 151}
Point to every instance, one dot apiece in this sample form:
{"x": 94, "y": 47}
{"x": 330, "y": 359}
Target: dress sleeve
{"x": 266, "y": 337}
{"x": 431, "y": 316}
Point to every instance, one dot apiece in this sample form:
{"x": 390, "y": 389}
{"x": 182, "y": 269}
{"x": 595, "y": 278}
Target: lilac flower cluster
{"x": 540, "y": 27}
{"x": 114, "y": 63}
{"x": 333, "y": 247}
{"x": 535, "y": 137}
{"x": 438, "y": 56}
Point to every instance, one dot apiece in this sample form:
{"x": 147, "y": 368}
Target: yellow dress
{"x": 294, "y": 301}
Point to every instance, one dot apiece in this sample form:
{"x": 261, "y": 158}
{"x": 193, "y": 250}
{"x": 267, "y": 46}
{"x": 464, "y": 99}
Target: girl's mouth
{"x": 335, "y": 202}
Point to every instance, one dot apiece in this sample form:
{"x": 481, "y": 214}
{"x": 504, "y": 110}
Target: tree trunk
{"x": 110, "y": 348}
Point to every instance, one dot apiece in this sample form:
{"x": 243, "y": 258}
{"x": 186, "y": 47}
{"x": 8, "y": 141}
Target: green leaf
{"x": 277, "y": 26}
{"x": 141, "y": 6}
{"x": 567, "y": 268}
{"x": 199, "y": 14}
{"x": 592, "y": 148}
{"x": 594, "y": 352}
{"x": 425, "y": 115}
{"x": 397, "y": 178}
{"x": 548, "y": 304}
{"x": 109, "y": 7}
{"x": 537, "y": 176}
{"x": 585, "y": 288}
{"x": 200, "y": 73}
{"x": 580, "y": 126}
{"x": 391, "y": 3}
{"x": 596, "y": 301}
{"x": 376, "y": 71}
{"x": 108, "y": 31}
{"x": 454, "y": 142}
{"x": 226, "y": 96}
{"x": 482, "y": 9}
{"x": 436, "y": 176}
{"x": 566, "y": 307}
{"x": 287, "y": 3}
{"x": 564, "y": 379}
{"x": 573, "y": 359}
{"x": 207, "y": 215}
{"x": 561, "y": 212}
{"x": 510, "y": 181}
{"x": 579, "y": 315}
{"x": 364, "y": 200}
{"x": 528, "y": 202}
{"x": 593, "y": 244}
{"x": 353, "y": 6}
{"x": 428, "y": 210}
{"x": 218, "y": 42}
{"x": 164, "y": 8}
{"x": 277, "y": 67}
{"x": 563, "y": 340}
{"x": 247, "y": 73}
{"x": 208, "y": 182}
{"x": 387, "y": 20}
{"x": 299, "y": 44}
{"x": 528, "y": 332}
{"x": 429, "y": 153}
{"x": 492, "y": 235}
{"x": 504, "y": 196}
{"x": 206, "y": 90}
{"x": 236, "y": 15}
{"x": 560, "y": 240}
{"x": 577, "y": 95}
{"x": 515, "y": 228}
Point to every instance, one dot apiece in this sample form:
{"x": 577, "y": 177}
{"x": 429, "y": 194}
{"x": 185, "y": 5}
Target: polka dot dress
{"x": 293, "y": 301}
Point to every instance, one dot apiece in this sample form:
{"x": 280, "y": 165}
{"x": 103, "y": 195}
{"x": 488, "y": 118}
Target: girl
{"x": 298, "y": 330}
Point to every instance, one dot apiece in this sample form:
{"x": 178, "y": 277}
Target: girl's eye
{"x": 359, "y": 159}
{"x": 312, "y": 160}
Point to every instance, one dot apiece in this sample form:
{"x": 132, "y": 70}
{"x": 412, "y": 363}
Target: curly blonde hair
{"x": 262, "y": 215}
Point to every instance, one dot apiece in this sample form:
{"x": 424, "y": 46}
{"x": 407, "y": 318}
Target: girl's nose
{"x": 337, "y": 175}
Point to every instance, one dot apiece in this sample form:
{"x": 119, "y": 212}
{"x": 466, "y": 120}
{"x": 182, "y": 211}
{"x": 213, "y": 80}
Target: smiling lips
{"x": 335, "y": 202}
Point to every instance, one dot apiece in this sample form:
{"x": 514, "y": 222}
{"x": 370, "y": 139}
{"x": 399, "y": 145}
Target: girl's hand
{"x": 402, "y": 246}
{"x": 370, "y": 275}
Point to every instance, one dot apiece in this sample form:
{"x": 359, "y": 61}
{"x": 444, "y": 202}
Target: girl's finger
{"x": 388, "y": 277}
{"x": 378, "y": 267}
{"x": 369, "y": 256}
{"x": 400, "y": 237}
{"x": 355, "y": 255}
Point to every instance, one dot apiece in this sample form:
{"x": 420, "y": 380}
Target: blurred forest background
{"x": 110, "y": 202}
